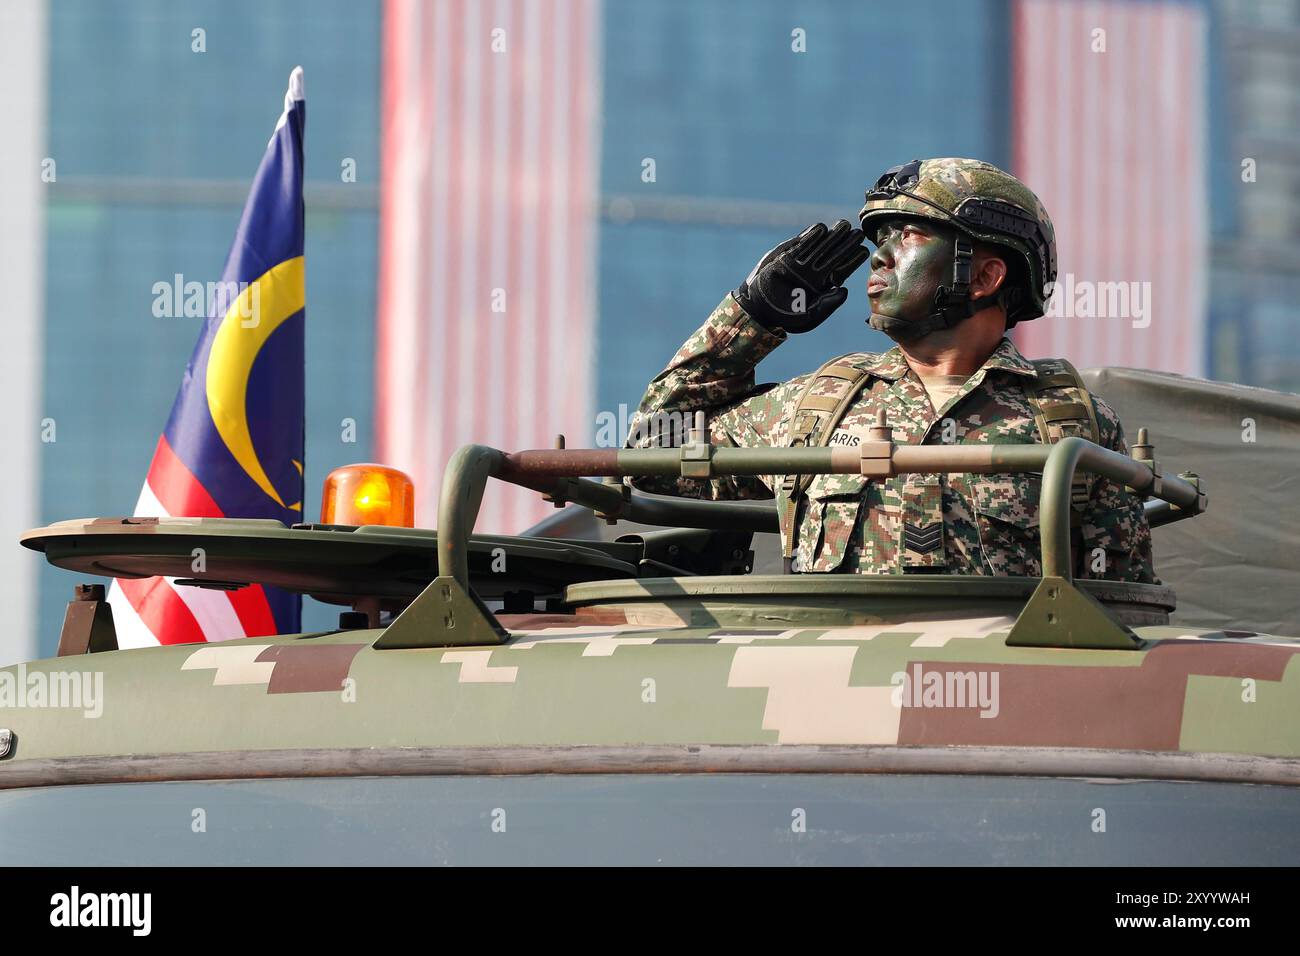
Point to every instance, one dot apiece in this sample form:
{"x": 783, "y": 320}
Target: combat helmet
{"x": 984, "y": 204}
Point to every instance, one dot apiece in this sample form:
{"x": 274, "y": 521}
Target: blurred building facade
{"x": 1255, "y": 259}
{"x": 154, "y": 143}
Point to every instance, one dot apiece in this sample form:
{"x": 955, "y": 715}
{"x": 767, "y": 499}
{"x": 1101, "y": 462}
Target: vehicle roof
{"x": 589, "y": 681}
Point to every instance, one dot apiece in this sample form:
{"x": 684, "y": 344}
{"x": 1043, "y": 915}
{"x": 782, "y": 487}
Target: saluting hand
{"x": 797, "y": 285}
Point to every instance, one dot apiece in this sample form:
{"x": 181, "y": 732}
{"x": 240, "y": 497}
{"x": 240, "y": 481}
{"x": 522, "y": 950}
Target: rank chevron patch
{"x": 922, "y": 538}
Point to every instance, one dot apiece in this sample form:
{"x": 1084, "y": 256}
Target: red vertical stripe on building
{"x": 511, "y": 354}
{"x": 390, "y": 145}
{"x": 448, "y": 373}
{"x": 498, "y": 189}
{"x": 480, "y": 313}
{"x": 1111, "y": 142}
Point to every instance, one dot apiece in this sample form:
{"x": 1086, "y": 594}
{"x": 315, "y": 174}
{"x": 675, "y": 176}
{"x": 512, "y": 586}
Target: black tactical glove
{"x": 798, "y": 284}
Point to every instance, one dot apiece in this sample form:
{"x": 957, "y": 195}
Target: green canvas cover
{"x": 1237, "y": 565}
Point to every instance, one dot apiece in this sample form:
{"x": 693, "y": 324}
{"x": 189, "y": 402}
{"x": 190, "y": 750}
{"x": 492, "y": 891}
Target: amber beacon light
{"x": 368, "y": 494}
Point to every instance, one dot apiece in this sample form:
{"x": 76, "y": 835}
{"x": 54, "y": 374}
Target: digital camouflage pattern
{"x": 956, "y": 524}
{"x": 569, "y": 680}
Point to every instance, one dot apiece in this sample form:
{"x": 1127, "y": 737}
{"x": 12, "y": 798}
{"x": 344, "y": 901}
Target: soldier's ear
{"x": 988, "y": 273}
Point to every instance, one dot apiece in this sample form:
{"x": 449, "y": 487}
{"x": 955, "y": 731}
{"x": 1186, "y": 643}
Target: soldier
{"x": 964, "y": 251}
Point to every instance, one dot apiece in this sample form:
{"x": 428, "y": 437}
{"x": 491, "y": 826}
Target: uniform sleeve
{"x": 713, "y": 372}
{"x": 1115, "y": 532}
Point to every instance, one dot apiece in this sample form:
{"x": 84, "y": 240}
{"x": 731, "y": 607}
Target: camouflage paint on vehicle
{"x": 570, "y": 680}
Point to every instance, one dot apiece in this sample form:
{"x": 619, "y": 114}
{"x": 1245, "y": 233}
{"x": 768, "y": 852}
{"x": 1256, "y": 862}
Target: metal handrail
{"x": 558, "y": 473}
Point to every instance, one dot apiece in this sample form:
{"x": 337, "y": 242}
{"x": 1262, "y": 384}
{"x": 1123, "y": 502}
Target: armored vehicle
{"x": 628, "y": 682}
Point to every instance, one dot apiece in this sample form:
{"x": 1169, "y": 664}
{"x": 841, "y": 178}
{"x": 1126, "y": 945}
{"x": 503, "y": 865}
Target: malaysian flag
{"x": 487, "y": 228}
{"x": 1109, "y": 113}
{"x": 233, "y": 446}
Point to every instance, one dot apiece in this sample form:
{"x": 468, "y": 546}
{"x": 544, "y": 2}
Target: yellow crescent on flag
{"x": 267, "y": 302}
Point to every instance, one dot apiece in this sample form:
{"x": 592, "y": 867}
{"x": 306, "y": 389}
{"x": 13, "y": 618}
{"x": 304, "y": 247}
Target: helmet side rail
{"x": 449, "y": 613}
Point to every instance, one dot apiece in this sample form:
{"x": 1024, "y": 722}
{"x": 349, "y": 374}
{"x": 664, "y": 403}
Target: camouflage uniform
{"x": 854, "y": 523}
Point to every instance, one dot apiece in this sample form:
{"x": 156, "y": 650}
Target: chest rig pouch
{"x": 825, "y": 398}
{"x": 1060, "y": 401}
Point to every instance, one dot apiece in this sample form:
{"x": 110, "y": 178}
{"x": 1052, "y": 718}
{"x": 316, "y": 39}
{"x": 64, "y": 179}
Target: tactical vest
{"x": 1061, "y": 403}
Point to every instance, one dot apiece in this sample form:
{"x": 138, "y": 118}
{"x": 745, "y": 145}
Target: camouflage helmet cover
{"x": 983, "y": 202}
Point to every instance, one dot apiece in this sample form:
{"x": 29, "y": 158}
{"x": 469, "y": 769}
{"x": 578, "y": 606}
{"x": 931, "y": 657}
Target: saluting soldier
{"x": 964, "y": 251}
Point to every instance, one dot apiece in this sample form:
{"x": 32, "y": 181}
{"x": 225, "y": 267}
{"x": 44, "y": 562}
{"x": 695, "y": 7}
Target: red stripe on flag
{"x": 176, "y": 488}
{"x": 253, "y": 611}
{"x": 162, "y": 610}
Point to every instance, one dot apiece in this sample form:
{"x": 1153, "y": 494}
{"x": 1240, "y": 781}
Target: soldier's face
{"x": 913, "y": 258}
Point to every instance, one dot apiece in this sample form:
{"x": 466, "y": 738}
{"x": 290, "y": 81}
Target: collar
{"x": 1007, "y": 358}
{"x": 892, "y": 365}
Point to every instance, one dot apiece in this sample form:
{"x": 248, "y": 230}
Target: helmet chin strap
{"x": 952, "y": 303}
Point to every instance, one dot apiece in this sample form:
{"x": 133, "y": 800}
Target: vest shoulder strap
{"x": 1063, "y": 408}
{"x": 822, "y": 404}
{"x": 1061, "y": 402}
